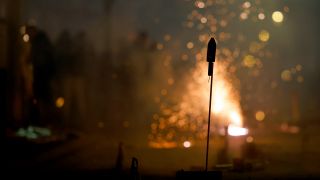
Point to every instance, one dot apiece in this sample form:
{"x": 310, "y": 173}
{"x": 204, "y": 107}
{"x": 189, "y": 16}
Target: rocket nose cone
{"x": 211, "y": 52}
{"x": 212, "y": 42}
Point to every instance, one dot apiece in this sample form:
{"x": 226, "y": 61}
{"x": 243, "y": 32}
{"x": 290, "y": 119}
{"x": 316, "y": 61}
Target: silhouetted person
{"x": 134, "y": 169}
{"x": 41, "y": 58}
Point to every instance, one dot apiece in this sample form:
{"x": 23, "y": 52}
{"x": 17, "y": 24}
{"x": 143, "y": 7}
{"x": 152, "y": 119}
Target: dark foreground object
{"x": 182, "y": 175}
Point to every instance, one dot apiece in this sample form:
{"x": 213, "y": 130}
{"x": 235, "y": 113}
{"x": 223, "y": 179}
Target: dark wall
{"x": 3, "y": 101}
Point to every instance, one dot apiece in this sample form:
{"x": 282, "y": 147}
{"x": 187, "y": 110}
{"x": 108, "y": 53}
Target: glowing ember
{"x": 237, "y": 131}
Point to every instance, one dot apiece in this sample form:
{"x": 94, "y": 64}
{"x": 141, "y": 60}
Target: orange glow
{"x": 60, "y": 102}
{"x": 225, "y": 100}
{"x": 163, "y": 144}
{"x": 260, "y": 115}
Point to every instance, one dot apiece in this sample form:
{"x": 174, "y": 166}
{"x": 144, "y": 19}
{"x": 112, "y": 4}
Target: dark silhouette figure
{"x": 134, "y": 169}
{"x": 41, "y": 58}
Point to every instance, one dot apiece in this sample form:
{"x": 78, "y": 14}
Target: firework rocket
{"x": 211, "y": 55}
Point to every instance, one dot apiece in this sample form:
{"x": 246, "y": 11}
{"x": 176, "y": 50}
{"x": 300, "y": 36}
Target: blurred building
{"x": 9, "y": 31}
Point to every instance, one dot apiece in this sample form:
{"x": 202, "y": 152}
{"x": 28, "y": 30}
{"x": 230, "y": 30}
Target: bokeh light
{"x": 286, "y": 75}
{"x": 277, "y": 16}
{"x": 25, "y": 38}
{"x": 187, "y": 144}
{"x": 59, "y": 102}
{"x": 264, "y": 36}
{"x": 260, "y": 115}
{"x": 249, "y": 139}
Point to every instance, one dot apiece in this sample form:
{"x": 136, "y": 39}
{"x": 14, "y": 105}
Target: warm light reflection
{"x": 162, "y": 145}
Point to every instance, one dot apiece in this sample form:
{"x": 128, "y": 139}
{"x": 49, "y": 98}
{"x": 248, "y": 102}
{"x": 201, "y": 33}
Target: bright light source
{"x": 237, "y": 131}
{"x": 26, "y": 38}
{"x": 277, "y": 16}
{"x": 60, "y": 102}
{"x": 235, "y": 118}
{"x": 260, "y": 115}
{"x": 186, "y": 144}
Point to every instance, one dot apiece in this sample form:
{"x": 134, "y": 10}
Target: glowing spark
{"x": 237, "y": 131}
{"x": 186, "y": 144}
